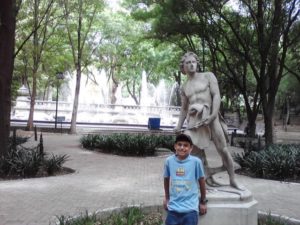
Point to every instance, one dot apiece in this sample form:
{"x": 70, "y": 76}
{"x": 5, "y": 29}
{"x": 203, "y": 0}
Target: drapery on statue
{"x": 200, "y": 103}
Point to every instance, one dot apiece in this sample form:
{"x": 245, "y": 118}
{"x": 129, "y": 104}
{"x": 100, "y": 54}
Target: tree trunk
{"x": 132, "y": 93}
{"x": 251, "y": 127}
{"x": 177, "y": 77}
{"x": 286, "y": 113}
{"x": 37, "y": 50}
{"x": 76, "y": 100}
{"x": 114, "y": 87}
{"x": 269, "y": 121}
{"x": 7, "y": 44}
{"x": 269, "y": 129}
{"x": 32, "y": 103}
{"x": 77, "y": 60}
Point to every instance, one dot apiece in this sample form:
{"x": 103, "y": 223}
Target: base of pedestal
{"x": 229, "y": 206}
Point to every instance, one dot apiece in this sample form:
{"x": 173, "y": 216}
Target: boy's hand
{"x": 165, "y": 204}
{"x": 202, "y": 209}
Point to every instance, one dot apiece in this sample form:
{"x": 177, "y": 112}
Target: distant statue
{"x": 200, "y": 103}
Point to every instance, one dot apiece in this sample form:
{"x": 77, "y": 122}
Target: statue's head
{"x": 184, "y": 57}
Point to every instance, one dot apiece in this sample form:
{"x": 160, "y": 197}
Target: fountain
{"x": 162, "y": 94}
{"x": 173, "y": 100}
{"x": 94, "y": 101}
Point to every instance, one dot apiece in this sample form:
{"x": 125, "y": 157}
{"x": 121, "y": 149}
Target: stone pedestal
{"x": 229, "y": 206}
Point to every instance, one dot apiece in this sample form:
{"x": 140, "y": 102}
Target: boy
{"x": 183, "y": 175}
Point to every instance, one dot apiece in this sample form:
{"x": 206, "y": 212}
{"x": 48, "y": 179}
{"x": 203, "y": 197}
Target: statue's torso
{"x": 197, "y": 89}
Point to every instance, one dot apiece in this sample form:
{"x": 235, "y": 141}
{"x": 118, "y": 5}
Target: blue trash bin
{"x": 154, "y": 123}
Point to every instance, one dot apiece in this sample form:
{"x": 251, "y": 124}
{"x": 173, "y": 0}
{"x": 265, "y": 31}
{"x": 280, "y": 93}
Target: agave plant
{"x": 30, "y": 162}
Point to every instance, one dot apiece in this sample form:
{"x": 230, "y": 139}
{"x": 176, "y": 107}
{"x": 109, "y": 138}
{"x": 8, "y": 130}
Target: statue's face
{"x": 190, "y": 64}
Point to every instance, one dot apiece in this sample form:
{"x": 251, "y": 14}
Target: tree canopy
{"x": 250, "y": 46}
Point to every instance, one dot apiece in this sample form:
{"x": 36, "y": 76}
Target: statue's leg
{"x": 200, "y": 153}
{"x": 219, "y": 140}
{"x": 209, "y": 172}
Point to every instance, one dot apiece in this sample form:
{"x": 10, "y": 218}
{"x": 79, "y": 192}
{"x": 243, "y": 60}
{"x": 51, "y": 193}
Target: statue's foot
{"x": 234, "y": 184}
{"x": 212, "y": 182}
{"x": 213, "y": 170}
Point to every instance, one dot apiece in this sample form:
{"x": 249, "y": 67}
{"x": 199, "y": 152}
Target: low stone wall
{"x": 158, "y": 208}
{"x": 276, "y": 217}
{"x": 226, "y": 206}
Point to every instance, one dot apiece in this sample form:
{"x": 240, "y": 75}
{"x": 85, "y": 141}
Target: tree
{"x": 125, "y": 53}
{"x": 79, "y": 19}
{"x": 273, "y": 22}
{"x": 293, "y": 57}
{"x": 40, "y": 35}
{"x": 256, "y": 39}
{"x": 7, "y": 43}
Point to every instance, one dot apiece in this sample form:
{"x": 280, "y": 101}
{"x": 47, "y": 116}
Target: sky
{"x": 114, "y": 4}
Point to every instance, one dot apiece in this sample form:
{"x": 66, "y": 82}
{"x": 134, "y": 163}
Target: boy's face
{"x": 183, "y": 149}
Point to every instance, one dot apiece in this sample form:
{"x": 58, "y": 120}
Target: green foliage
{"x": 287, "y": 90}
{"x": 54, "y": 163}
{"x": 127, "y": 144}
{"x": 21, "y": 162}
{"x": 128, "y": 216}
{"x": 278, "y": 161}
{"x": 18, "y": 140}
{"x": 83, "y": 219}
{"x": 135, "y": 216}
{"x": 127, "y": 51}
{"x": 248, "y": 143}
{"x": 105, "y": 39}
{"x": 269, "y": 220}
{"x": 232, "y": 44}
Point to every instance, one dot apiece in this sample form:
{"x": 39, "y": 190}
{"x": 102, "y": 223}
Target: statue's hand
{"x": 208, "y": 120}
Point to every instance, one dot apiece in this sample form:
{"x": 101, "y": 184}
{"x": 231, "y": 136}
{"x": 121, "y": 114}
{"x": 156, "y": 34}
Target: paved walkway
{"x": 102, "y": 181}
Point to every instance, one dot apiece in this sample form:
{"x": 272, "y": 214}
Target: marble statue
{"x": 200, "y": 103}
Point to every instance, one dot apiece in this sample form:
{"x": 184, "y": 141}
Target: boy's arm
{"x": 167, "y": 194}
{"x": 203, "y": 201}
{"x": 202, "y": 188}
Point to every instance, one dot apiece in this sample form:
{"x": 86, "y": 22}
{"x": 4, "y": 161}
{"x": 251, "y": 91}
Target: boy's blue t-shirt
{"x": 184, "y": 182}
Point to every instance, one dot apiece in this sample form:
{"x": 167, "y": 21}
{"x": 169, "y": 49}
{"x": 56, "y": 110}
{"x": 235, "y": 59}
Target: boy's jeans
{"x": 175, "y": 218}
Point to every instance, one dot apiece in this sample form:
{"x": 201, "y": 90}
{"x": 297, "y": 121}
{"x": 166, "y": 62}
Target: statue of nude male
{"x": 200, "y": 103}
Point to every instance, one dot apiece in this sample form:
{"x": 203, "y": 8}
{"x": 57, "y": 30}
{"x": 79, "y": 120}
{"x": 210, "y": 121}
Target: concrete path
{"x": 103, "y": 181}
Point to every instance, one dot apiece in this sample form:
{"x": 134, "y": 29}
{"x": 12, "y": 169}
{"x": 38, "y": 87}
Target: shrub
{"x": 135, "y": 216}
{"x": 277, "y": 161}
{"x": 83, "y": 219}
{"x": 270, "y": 220}
{"x": 127, "y": 144}
{"x": 128, "y": 216}
{"x": 24, "y": 162}
{"x": 54, "y": 163}
{"x": 17, "y": 140}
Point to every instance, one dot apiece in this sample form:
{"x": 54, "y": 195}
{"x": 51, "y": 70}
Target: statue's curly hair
{"x": 181, "y": 64}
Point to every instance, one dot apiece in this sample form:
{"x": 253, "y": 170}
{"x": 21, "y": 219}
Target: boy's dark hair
{"x": 183, "y": 137}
